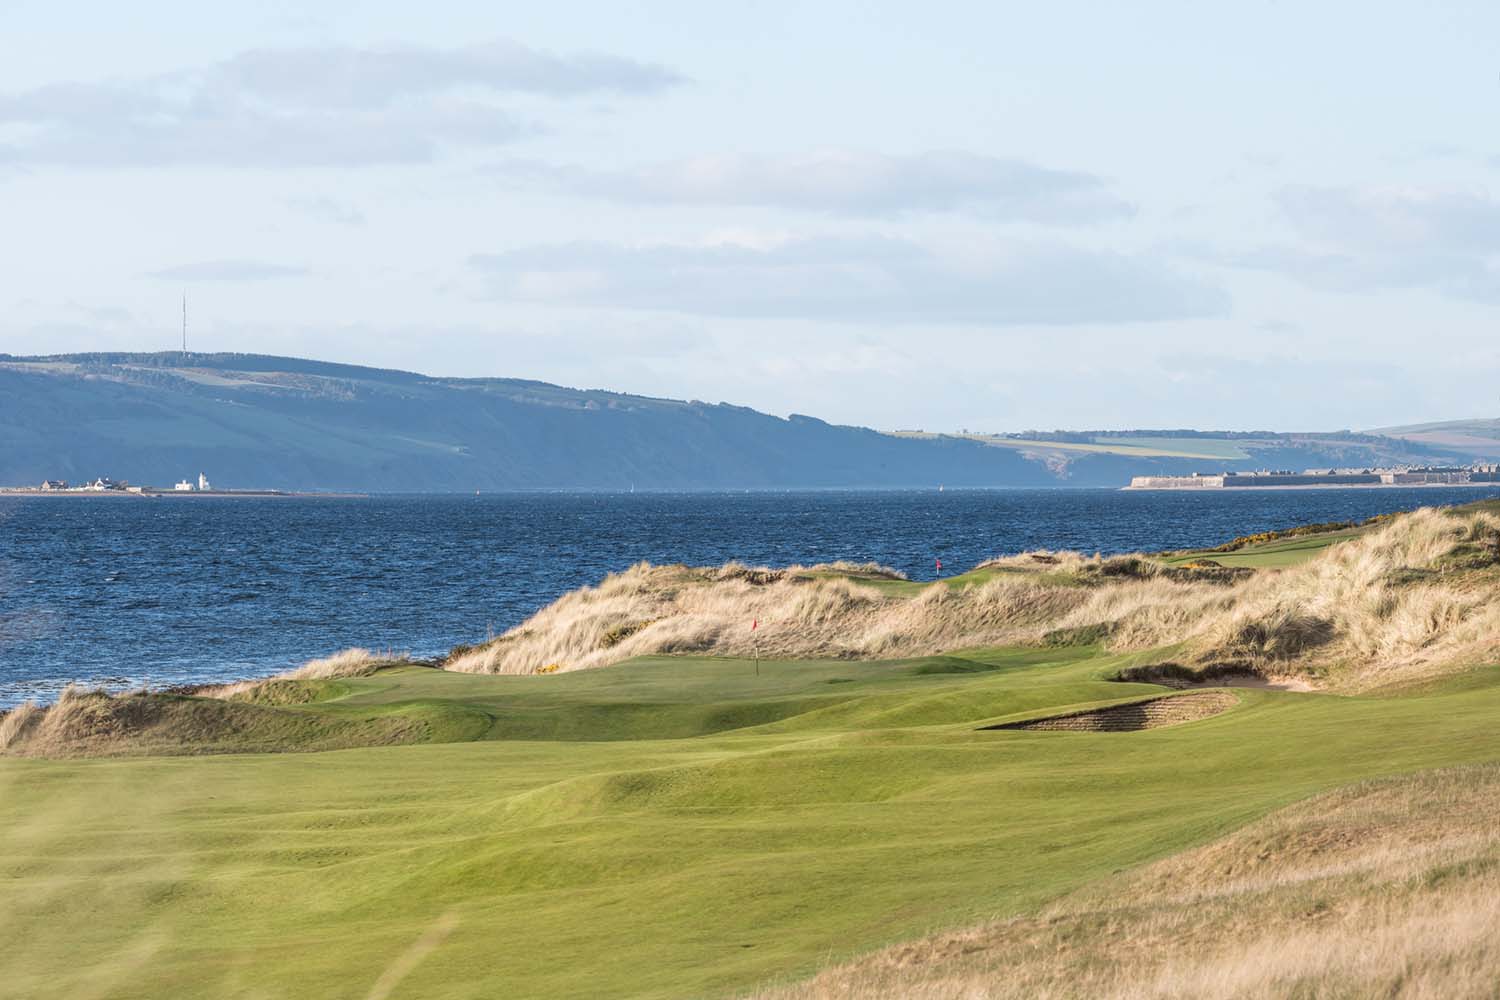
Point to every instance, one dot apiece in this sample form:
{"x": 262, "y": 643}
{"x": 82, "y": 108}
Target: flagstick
{"x": 755, "y": 643}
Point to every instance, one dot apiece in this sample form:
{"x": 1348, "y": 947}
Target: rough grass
{"x": 1390, "y": 606}
{"x": 1386, "y": 888}
{"x": 243, "y": 716}
{"x": 355, "y": 662}
{"x": 18, "y": 722}
{"x": 1403, "y": 600}
{"x": 671, "y": 609}
{"x": 96, "y": 724}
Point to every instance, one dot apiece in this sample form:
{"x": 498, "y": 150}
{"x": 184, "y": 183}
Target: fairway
{"x": 668, "y": 827}
{"x": 1269, "y": 555}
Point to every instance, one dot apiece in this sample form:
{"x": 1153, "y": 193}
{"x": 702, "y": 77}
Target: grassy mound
{"x": 1396, "y": 601}
{"x": 92, "y": 724}
{"x": 1386, "y": 888}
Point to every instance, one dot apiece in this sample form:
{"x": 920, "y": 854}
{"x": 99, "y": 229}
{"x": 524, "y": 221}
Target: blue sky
{"x": 983, "y": 216}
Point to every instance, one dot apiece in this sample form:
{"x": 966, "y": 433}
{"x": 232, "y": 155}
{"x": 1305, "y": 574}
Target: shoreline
{"x": 1307, "y": 486}
{"x": 183, "y": 494}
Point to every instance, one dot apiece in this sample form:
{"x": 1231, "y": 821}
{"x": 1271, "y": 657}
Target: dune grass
{"x": 1400, "y": 601}
{"x": 1383, "y": 888}
{"x": 670, "y": 827}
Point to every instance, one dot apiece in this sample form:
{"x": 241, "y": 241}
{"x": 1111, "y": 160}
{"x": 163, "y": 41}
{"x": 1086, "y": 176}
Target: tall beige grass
{"x": 1384, "y": 607}
{"x": 354, "y": 662}
{"x": 1388, "y": 606}
{"x": 800, "y": 613}
{"x": 1388, "y": 888}
{"x": 15, "y": 724}
{"x": 81, "y": 718}
{"x": 77, "y": 713}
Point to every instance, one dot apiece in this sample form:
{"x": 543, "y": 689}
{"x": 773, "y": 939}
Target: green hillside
{"x": 1479, "y": 437}
{"x": 291, "y": 423}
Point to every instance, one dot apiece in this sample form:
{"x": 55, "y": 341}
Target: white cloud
{"x": 363, "y": 78}
{"x": 228, "y": 270}
{"x": 1394, "y": 220}
{"x": 307, "y": 107}
{"x": 845, "y": 182}
{"x": 874, "y": 279}
{"x": 327, "y": 210}
{"x": 1363, "y": 240}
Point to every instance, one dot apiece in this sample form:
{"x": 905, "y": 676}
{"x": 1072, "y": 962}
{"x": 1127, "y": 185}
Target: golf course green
{"x": 673, "y": 826}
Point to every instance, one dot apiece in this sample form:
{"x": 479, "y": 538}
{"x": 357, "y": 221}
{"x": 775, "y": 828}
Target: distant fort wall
{"x": 1422, "y": 476}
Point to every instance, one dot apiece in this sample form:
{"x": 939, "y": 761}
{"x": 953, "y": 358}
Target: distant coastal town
{"x": 1433, "y": 475}
{"x": 105, "y": 486}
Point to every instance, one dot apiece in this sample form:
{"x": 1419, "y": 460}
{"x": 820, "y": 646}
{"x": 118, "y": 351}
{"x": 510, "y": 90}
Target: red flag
{"x": 754, "y": 622}
{"x": 939, "y": 565}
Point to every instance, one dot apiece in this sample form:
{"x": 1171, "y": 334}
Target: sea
{"x": 123, "y": 592}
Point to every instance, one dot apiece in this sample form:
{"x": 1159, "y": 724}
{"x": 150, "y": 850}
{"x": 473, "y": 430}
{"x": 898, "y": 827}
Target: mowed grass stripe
{"x": 649, "y": 864}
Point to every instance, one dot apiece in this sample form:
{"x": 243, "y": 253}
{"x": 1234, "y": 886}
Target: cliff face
{"x": 254, "y": 421}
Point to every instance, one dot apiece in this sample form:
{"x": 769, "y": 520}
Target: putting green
{"x": 669, "y": 827}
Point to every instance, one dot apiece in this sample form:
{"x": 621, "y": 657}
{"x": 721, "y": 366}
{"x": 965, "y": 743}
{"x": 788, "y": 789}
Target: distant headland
{"x": 296, "y": 424}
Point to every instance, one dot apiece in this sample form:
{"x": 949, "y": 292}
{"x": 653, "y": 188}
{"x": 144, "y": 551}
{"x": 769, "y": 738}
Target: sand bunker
{"x": 1169, "y": 710}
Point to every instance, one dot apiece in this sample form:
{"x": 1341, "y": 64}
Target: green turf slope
{"x": 1269, "y": 555}
{"x": 670, "y": 827}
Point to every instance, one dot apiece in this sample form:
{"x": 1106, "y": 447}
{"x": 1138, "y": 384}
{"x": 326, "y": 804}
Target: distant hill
{"x": 1480, "y": 437}
{"x": 258, "y": 421}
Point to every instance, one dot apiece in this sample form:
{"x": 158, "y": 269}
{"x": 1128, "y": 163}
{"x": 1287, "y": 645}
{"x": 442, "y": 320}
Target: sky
{"x": 949, "y": 216}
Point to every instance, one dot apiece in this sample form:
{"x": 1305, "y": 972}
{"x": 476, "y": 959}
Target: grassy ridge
{"x": 1271, "y": 554}
{"x": 615, "y": 834}
{"x": 1383, "y": 888}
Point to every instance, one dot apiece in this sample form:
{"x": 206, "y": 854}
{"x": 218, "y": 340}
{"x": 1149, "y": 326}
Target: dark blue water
{"x": 125, "y": 590}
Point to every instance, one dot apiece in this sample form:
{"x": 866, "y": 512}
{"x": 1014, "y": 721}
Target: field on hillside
{"x": 1435, "y": 443}
{"x": 686, "y": 824}
{"x": 1480, "y": 438}
{"x": 1208, "y": 449}
{"x": 1221, "y": 448}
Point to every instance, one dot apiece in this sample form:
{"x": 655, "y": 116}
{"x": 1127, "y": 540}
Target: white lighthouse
{"x": 203, "y": 483}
